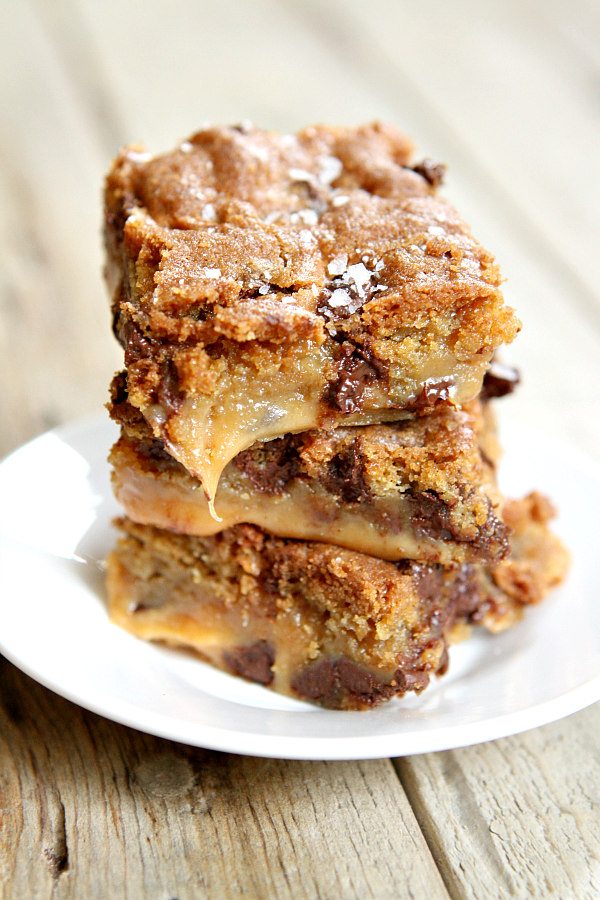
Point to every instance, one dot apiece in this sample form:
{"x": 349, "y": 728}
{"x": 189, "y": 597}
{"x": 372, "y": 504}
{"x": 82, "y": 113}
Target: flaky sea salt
{"x": 300, "y": 175}
{"x": 340, "y": 200}
{"x": 307, "y": 239}
{"x": 212, "y": 273}
{"x": 209, "y": 213}
{"x": 360, "y": 275}
{"x": 308, "y": 216}
{"x": 138, "y": 156}
{"x": 337, "y": 266}
{"x": 330, "y": 168}
{"x": 340, "y": 297}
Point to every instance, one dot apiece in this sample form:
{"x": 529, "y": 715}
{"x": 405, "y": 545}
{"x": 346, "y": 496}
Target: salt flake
{"x": 360, "y": 275}
{"x": 300, "y": 175}
{"x": 338, "y": 264}
{"x": 340, "y": 200}
{"x": 330, "y": 168}
{"x": 308, "y": 216}
{"x": 340, "y": 297}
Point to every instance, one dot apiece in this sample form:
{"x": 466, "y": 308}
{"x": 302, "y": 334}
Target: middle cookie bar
{"x": 419, "y": 489}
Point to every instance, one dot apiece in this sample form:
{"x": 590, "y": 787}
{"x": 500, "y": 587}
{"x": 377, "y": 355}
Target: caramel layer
{"x": 421, "y": 489}
{"x": 383, "y": 527}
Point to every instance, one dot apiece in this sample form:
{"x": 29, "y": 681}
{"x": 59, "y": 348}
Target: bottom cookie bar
{"x": 319, "y": 622}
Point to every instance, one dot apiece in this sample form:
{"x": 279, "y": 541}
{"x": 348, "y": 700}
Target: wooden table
{"x": 507, "y": 93}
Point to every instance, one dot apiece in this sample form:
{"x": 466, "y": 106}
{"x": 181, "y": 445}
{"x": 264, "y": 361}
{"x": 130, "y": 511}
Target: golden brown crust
{"x": 257, "y": 235}
{"x": 322, "y": 257}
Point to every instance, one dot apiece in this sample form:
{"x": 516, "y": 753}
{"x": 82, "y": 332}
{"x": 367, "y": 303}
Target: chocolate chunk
{"x": 433, "y": 172}
{"x": 433, "y": 391}
{"x": 499, "y": 380}
{"x": 357, "y": 368}
{"x": 253, "y": 662}
{"x": 169, "y": 393}
{"x": 133, "y": 340}
{"x": 429, "y": 580}
{"x": 317, "y": 681}
{"x": 271, "y": 468}
{"x": 345, "y": 477}
{"x": 340, "y": 683}
{"x": 153, "y": 449}
{"x": 430, "y": 516}
{"x": 118, "y": 389}
{"x": 466, "y": 596}
{"x": 410, "y": 681}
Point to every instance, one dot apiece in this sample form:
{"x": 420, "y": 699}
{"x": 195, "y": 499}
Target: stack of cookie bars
{"x": 307, "y": 457}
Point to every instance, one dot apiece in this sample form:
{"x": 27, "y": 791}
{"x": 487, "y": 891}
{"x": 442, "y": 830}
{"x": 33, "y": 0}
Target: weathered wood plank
{"x": 56, "y": 351}
{"x": 516, "y": 817}
{"x": 92, "y": 809}
{"x": 516, "y": 102}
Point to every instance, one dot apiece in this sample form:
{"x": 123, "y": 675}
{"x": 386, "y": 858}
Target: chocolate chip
{"x": 433, "y": 391}
{"x": 357, "y": 368}
{"x": 499, "y": 380}
{"x": 133, "y": 340}
{"x": 340, "y": 683}
{"x": 271, "y": 466}
{"x": 154, "y": 450}
{"x": 345, "y": 476}
{"x": 430, "y": 516}
{"x": 317, "y": 681}
{"x": 433, "y": 172}
{"x": 466, "y": 597}
{"x": 253, "y": 662}
{"x": 410, "y": 681}
{"x": 118, "y": 389}
{"x": 169, "y": 394}
{"x": 429, "y": 580}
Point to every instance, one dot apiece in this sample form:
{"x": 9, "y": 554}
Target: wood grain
{"x": 92, "y": 809}
{"x": 519, "y": 815}
{"x": 508, "y": 98}
{"x": 56, "y": 349}
{"x": 517, "y": 102}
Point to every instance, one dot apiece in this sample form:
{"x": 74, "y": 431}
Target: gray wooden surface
{"x": 507, "y": 93}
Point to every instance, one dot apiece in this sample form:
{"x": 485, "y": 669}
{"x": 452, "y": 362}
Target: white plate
{"x": 55, "y": 513}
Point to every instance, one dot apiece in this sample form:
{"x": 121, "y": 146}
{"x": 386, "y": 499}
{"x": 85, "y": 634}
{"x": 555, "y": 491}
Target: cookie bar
{"x": 266, "y": 284}
{"x": 318, "y": 622}
{"x": 421, "y": 489}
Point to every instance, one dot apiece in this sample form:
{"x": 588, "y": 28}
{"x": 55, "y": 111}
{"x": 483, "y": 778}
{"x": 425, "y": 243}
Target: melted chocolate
{"x": 253, "y": 662}
{"x": 357, "y": 368}
{"x": 432, "y": 172}
{"x": 270, "y": 472}
{"x": 499, "y": 380}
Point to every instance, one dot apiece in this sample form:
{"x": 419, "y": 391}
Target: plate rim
{"x": 329, "y": 748}
{"x": 251, "y": 743}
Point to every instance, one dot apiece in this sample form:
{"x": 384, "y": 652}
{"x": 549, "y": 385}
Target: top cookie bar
{"x": 264, "y": 284}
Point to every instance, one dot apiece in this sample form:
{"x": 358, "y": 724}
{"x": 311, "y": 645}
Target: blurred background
{"x": 506, "y": 92}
